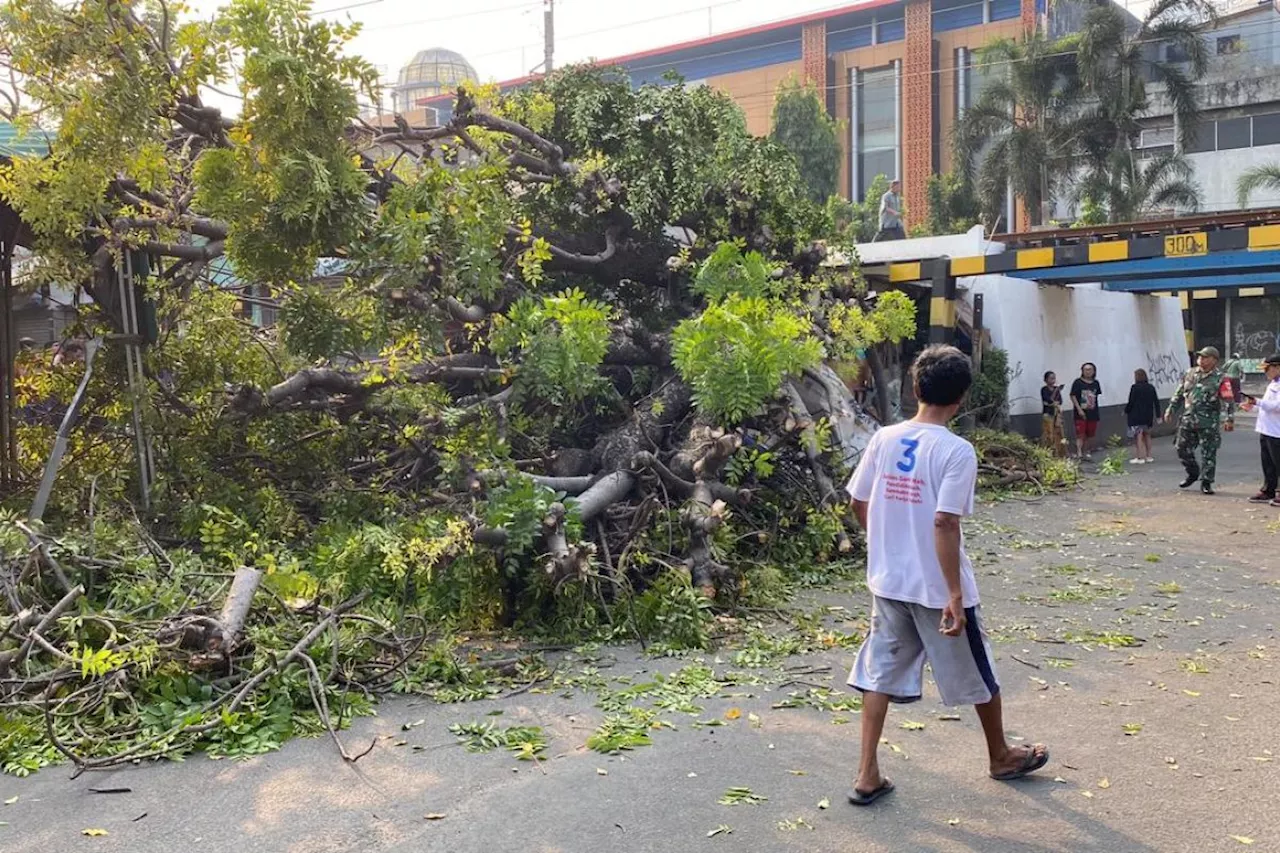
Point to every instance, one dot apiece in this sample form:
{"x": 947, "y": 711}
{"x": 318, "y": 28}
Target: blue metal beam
{"x": 1194, "y": 282}
{"x": 1214, "y": 262}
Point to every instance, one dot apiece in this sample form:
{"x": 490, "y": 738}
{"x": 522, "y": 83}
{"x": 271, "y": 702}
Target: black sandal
{"x": 859, "y": 798}
{"x": 1031, "y": 762}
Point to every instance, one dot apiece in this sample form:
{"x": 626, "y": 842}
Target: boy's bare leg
{"x": 1004, "y": 758}
{"x": 874, "y": 708}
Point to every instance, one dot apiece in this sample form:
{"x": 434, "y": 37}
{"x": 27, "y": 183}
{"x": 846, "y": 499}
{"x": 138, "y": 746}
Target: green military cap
{"x": 1211, "y": 352}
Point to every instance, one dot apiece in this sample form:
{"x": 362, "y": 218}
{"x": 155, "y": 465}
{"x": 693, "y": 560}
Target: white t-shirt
{"x": 909, "y": 472}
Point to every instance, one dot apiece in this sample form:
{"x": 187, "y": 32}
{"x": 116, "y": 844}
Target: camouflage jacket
{"x": 1197, "y": 398}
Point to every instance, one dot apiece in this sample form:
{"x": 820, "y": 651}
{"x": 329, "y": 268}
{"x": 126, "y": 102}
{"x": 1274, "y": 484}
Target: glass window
{"x": 1228, "y": 45}
{"x": 1174, "y": 53}
{"x": 1266, "y": 129}
{"x": 1233, "y": 133}
{"x": 877, "y": 137}
{"x": 1201, "y": 138}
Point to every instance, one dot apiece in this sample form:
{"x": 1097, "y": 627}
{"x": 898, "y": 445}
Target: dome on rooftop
{"x": 431, "y": 72}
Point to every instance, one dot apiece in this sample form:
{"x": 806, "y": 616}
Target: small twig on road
{"x": 1025, "y": 662}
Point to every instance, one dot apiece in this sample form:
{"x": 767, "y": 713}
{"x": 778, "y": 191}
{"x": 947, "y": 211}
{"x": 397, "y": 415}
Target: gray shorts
{"x": 904, "y": 635}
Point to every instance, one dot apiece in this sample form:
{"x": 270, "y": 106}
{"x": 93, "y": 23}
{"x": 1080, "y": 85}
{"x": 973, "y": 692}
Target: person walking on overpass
{"x": 1205, "y": 391}
{"x": 891, "y": 214}
{"x": 1268, "y": 431}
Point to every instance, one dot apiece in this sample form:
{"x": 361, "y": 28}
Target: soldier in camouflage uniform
{"x": 1199, "y": 401}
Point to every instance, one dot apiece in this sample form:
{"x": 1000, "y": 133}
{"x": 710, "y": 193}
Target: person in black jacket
{"x": 1143, "y": 410}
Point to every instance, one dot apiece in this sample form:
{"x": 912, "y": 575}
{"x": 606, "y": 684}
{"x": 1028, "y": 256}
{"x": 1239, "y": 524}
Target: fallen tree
{"x": 568, "y": 343}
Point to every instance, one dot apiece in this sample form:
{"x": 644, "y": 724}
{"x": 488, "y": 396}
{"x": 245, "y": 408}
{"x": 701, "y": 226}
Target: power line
{"x": 476, "y": 13}
{"x": 345, "y": 8}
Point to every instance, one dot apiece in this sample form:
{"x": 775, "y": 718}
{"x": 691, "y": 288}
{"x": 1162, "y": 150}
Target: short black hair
{"x": 1089, "y": 364}
{"x": 1047, "y": 374}
{"x": 942, "y": 375}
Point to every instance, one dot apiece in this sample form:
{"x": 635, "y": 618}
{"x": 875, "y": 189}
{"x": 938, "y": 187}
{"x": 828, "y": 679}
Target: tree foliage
{"x": 1062, "y": 117}
{"x": 802, "y": 126}
{"x": 514, "y": 357}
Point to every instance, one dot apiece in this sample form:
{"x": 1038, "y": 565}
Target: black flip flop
{"x": 859, "y": 798}
{"x": 1030, "y": 764}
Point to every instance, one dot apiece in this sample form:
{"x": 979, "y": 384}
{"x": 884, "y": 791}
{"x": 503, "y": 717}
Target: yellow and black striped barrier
{"x": 1183, "y": 245}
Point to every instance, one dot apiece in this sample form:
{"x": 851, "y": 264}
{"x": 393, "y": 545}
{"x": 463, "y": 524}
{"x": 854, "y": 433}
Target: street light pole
{"x": 549, "y": 36}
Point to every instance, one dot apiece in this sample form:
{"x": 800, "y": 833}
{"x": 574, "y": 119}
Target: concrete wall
{"x": 1217, "y": 171}
{"x": 1059, "y": 328}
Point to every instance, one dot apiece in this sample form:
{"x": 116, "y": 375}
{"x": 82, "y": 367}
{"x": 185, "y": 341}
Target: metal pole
{"x": 549, "y": 36}
{"x": 60, "y": 442}
{"x": 129, "y": 325}
{"x": 8, "y": 399}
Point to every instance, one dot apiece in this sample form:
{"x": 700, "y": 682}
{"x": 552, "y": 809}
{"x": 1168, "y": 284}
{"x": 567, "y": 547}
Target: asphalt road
{"x": 1169, "y": 744}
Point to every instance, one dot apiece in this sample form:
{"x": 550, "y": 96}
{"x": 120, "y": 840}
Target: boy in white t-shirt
{"x": 915, "y": 482}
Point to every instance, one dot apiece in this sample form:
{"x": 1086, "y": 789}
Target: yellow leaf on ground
{"x": 1243, "y": 839}
{"x": 93, "y": 833}
{"x": 1104, "y": 783}
{"x": 434, "y": 816}
{"x": 733, "y": 713}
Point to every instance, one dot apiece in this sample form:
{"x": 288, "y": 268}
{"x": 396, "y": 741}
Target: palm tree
{"x": 1264, "y": 177}
{"x": 1117, "y": 61}
{"x": 1125, "y": 188}
{"x": 1025, "y": 129}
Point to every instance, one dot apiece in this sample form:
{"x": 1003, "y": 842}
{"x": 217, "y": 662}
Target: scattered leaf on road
{"x": 798, "y": 772}
{"x": 824, "y": 803}
{"x": 93, "y": 833}
{"x": 911, "y": 725}
{"x": 754, "y": 720}
{"x": 733, "y": 713}
{"x": 739, "y": 796}
{"x": 1243, "y": 839}
{"x": 1192, "y": 693}
{"x": 722, "y": 829}
{"x": 10, "y": 801}
{"x": 955, "y": 821}
{"x": 600, "y": 771}
{"x": 1104, "y": 783}
{"x": 1131, "y": 729}
{"x": 949, "y": 717}
{"x": 434, "y": 816}
{"x": 1088, "y": 794}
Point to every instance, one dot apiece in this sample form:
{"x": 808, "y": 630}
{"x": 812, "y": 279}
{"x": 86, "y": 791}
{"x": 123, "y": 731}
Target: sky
{"x": 503, "y": 39}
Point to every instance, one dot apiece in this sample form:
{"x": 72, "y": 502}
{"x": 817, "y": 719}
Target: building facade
{"x": 894, "y": 73}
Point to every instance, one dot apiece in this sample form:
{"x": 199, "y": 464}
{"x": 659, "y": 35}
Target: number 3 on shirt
{"x": 908, "y": 462}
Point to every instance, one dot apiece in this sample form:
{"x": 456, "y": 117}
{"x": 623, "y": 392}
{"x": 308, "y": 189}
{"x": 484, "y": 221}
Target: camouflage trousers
{"x": 1209, "y": 439}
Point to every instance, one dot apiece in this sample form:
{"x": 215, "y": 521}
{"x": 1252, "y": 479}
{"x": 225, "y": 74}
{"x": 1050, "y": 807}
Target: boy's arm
{"x": 860, "y": 512}
{"x": 946, "y": 541}
{"x": 955, "y": 500}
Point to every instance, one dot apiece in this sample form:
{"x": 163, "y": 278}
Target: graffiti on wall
{"x": 1165, "y": 368}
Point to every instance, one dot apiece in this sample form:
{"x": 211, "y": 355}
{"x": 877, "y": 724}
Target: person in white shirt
{"x": 915, "y": 482}
{"x": 1269, "y": 432}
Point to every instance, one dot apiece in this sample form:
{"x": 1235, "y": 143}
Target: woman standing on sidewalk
{"x": 1268, "y": 431}
{"x": 1142, "y": 410}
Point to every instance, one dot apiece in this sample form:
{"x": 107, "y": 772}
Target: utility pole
{"x": 549, "y": 36}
